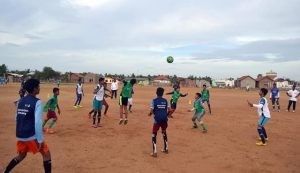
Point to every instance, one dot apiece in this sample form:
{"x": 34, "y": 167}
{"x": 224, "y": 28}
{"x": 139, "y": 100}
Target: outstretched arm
{"x": 170, "y": 93}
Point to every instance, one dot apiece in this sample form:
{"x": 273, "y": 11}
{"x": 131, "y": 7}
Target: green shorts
{"x": 97, "y": 105}
{"x": 198, "y": 115}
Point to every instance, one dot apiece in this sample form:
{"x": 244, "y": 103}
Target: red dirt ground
{"x": 229, "y": 145}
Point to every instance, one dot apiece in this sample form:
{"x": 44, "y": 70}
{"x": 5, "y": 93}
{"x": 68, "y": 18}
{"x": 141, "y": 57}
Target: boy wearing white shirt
{"x": 114, "y": 89}
{"x": 79, "y": 94}
{"x": 293, "y": 94}
{"x": 98, "y": 102}
{"x": 264, "y": 116}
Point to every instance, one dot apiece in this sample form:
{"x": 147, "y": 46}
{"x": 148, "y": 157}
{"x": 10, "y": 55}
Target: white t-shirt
{"x": 79, "y": 88}
{"x": 262, "y": 108}
{"x": 100, "y": 94}
{"x": 294, "y": 94}
{"x": 114, "y": 86}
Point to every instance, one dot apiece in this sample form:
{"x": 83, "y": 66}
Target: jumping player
{"x": 293, "y": 94}
{"x": 126, "y": 93}
{"x": 175, "y": 97}
{"x": 274, "y": 97}
{"x": 50, "y": 107}
{"x": 205, "y": 97}
{"x": 79, "y": 94}
{"x": 98, "y": 102}
{"x": 104, "y": 101}
{"x": 264, "y": 116}
{"x": 199, "y": 112}
{"x": 29, "y": 129}
{"x": 159, "y": 107}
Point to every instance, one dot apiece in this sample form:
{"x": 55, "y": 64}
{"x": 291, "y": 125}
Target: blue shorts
{"x": 263, "y": 120}
{"x": 97, "y": 105}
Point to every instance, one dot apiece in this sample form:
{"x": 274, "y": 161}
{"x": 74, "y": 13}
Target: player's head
{"x": 79, "y": 81}
{"x": 204, "y": 86}
{"x": 160, "y": 92}
{"x": 114, "y": 80}
{"x": 294, "y": 87}
{"x": 133, "y": 81}
{"x": 263, "y": 92}
{"x": 56, "y": 91}
{"x": 22, "y": 92}
{"x": 32, "y": 86}
{"x": 197, "y": 95}
{"x": 101, "y": 80}
{"x": 274, "y": 85}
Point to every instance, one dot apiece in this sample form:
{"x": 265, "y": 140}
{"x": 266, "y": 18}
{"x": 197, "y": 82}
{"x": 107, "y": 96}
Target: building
{"x": 200, "y": 83}
{"x": 264, "y": 82}
{"x": 271, "y": 74}
{"x": 224, "y": 83}
{"x": 91, "y": 78}
{"x": 282, "y": 83}
{"x": 161, "y": 81}
{"x": 74, "y": 77}
{"x": 14, "y": 77}
{"x": 245, "y": 81}
{"x": 188, "y": 83}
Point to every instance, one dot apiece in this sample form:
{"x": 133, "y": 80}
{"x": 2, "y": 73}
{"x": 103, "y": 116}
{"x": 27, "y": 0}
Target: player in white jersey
{"x": 293, "y": 94}
{"x": 79, "y": 94}
{"x": 98, "y": 101}
{"x": 264, "y": 116}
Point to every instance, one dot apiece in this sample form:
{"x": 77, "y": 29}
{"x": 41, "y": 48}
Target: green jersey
{"x": 127, "y": 90}
{"x": 205, "y": 94}
{"x": 51, "y": 104}
{"x": 198, "y": 105}
{"x": 175, "y": 96}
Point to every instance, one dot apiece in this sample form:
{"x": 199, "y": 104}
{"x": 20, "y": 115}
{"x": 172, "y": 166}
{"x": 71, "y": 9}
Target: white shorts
{"x": 130, "y": 101}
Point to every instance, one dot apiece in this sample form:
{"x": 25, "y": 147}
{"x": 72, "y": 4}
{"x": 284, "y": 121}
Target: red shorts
{"x": 31, "y": 146}
{"x": 156, "y": 127}
{"x": 51, "y": 114}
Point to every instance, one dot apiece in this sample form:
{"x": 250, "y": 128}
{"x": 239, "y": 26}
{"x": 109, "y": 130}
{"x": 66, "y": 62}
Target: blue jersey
{"x": 29, "y": 119}
{"x": 160, "y": 110}
{"x": 274, "y": 93}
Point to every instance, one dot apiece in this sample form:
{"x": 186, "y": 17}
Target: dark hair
{"x": 264, "y": 91}
{"x": 79, "y": 80}
{"x": 198, "y": 94}
{"x": 160, "y": 91}
{"x": 31, "y": 84}
{"x": 55, "y": 90}
{"x": 133, "y": 81}
{"x": 204, "y": 85}
{"x": 101, "y": 79}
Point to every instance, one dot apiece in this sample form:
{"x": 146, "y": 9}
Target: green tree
{"x": 49, "y": 73}
{"x": 3, "y": 69}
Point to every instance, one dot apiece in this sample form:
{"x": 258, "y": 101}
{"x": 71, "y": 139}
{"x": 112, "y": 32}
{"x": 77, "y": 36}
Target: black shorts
{"x": 123, "y": 101}
{"x": 173, "y": 105}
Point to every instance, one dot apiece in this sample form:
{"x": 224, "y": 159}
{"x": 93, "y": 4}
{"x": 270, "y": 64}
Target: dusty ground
{"x": 229, "y": 145}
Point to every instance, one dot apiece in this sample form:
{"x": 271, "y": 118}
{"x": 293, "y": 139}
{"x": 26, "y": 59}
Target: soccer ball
{"x": 170, "y": 59}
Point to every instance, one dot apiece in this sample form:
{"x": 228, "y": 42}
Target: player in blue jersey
{"x": 159, "y": 107}
{"x": 274, "y": 97}
{"x": 29, "y": 127}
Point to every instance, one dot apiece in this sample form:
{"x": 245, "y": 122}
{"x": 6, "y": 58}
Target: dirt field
{"x": 229, "y": 145}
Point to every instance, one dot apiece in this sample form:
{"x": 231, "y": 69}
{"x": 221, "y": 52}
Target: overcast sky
{"x": 218, "y": 38}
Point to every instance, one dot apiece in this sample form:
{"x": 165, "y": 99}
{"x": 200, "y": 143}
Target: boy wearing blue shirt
{"x": 274, "y": 97}
{"x": 159, "y": 107}
{"x": 29, "y": 127}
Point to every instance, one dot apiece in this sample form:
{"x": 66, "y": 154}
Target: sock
{"x": 154, "y": 142}
{"x": 262, "y": 137}
{"x": 52, "y": 124}
{"x": 264, "y": 132}
{"x": 14, "y": 162}
{"x": 47, "y": 166}
{"x": 165, "y": 137}
{"x": 94, "y": 117}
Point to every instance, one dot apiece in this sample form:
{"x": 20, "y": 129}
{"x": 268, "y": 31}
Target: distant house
{"x": 188, "y": 82}
{"x": 282, "y": 83}
{"x": 14, "y": 77}
{"x": 161, "y": 81}
{"x": 245, "y": 81}
{"x": 264, "y": 82}
{"x": 200, "y": 83}
{"x": 74, "y": 77}
{"x": 91, "y": 78}
{"x": 144, "y": 81}
{"x": 220, "y": 83}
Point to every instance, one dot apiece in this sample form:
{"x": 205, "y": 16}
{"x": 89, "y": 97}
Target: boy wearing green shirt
{"x": 205, "y": 97}
{"x": 199, "y": 112}
{"x": 175, "y": 97}
{"x": 50, "y": 107}
{"x": 126, "y": 93}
